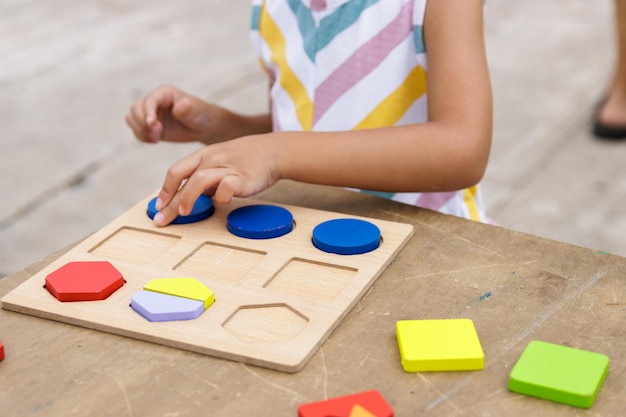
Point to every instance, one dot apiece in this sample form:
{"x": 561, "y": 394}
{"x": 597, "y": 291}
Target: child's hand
{"x": 237, "y": 168}
{"x": 172, "y": 115}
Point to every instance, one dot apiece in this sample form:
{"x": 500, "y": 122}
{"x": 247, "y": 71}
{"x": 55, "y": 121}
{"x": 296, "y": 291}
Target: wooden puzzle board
{"x": 276, "y": 300}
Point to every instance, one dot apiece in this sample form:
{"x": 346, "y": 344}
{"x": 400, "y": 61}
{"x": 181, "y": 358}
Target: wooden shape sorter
{"x": 276, "y": 300}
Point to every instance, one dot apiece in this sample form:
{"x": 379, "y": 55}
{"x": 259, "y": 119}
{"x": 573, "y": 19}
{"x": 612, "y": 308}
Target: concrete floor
{"x": 70, "y": 70}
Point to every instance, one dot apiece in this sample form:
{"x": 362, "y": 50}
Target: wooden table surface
{"x": 515, "y": 287}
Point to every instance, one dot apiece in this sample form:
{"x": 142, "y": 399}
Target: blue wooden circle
{"x": 260, "y": 221}
{"x": 202, "y": 209}
{"x": 346, "y": 236}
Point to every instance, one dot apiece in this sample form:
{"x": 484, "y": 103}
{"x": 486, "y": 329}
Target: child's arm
{"x": 170, "y": 114}
{"x": 449, "y": 152}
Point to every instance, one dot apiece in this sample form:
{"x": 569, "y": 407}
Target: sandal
{"x": 604, "y": 130}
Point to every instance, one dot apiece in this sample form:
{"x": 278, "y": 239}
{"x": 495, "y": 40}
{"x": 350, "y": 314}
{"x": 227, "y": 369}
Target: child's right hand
{"x": 172, "y": 115}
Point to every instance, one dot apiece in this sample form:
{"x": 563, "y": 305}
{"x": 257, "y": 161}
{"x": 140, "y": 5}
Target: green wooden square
{"x": 559, "y": 373}
{"x": 439, "y": 345}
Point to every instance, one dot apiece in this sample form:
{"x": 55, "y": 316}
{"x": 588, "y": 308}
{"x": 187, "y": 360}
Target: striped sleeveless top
{"x": 351, "y": 64}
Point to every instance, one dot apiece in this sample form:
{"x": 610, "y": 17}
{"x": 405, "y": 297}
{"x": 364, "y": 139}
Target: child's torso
{"x": 350, "y": 64}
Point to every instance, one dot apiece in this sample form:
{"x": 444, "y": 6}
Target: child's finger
{"x": 174, "y": 178}
{"x": 161, "y": 98}
{"x": 200, "y": 181}
{"x": 136, "y": 119}
{"x": 229, "y": 187}
{"x": 167, "y": 214}
{"x": 136, "y": 112}
{"x": 138, "y": 130}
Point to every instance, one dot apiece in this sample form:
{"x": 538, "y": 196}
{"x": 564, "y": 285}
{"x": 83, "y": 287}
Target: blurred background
{"x": 70, "y": 69}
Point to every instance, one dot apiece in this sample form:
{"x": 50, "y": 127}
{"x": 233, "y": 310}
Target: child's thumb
{"x": 184, "y": 111}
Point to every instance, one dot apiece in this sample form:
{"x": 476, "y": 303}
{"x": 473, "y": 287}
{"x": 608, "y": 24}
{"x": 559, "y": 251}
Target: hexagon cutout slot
{"x": 265, "y": 323}
{"x": 170, "y": 299}
{"x": 84, "y": 281}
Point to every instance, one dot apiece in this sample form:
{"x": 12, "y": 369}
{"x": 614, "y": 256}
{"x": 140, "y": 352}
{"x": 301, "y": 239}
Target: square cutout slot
{"x": 135, "y": 245}
{"x": 223, "y": 262}
{"x": 312, "y": 279}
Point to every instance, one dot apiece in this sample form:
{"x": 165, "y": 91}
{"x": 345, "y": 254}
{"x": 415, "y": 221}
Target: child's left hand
{"x": 237, "y": 168}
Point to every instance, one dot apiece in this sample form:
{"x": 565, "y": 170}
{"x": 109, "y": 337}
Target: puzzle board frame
{"x": 276, "y": 300}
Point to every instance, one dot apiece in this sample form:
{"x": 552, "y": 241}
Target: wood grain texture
{"x": 514, "y": 287}
{"x": 277, "y": 300}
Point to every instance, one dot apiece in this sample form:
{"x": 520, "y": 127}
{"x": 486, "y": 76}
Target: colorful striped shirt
{"x": 339, "y": 65}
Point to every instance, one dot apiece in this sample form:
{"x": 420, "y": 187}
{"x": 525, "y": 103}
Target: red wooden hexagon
{"x": 84, "y": 281}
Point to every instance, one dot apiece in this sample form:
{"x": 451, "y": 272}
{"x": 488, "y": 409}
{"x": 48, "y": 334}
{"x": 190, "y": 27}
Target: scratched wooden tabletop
{"x": 515, "y": 287}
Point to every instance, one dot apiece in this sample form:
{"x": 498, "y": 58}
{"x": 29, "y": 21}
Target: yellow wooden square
{"x": 439, "y": 345}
